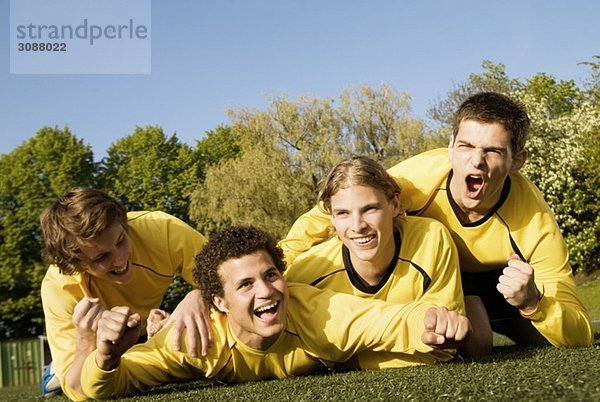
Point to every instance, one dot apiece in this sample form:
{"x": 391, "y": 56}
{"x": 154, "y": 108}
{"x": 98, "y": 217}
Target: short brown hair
{"x": 230, "y": 243}
{"x": 358, "y": 170}
{"x": 492, "y": 107}
{"x": 73, "y": 220}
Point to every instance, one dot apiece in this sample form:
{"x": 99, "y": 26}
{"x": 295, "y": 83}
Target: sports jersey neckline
{"x": 355, "y": 278}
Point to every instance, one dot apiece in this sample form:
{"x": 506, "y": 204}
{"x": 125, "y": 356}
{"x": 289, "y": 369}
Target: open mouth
{"x": 474, "y": 184}
{"x": 267, "y": 312}
{"x": 121, "y": 271}
{"x": 361, "y": 241}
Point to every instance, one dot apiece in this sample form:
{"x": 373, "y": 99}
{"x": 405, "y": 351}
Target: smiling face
{"x": 255, "y": 298}
{"x": 481, "y": 160}
{"x": 107, "y": 256}
{"x": 363, "y": 218}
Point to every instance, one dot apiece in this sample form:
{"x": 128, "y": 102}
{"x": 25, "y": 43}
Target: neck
{"x": 370, "y": 275}
{"x": 371, "y": 272}
{"x": 253, "y": 340}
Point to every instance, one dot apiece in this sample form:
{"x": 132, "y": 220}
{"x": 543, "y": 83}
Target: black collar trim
{"x": 356, "y": 280}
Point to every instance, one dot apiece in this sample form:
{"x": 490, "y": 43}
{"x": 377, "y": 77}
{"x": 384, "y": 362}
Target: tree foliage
{"x": 564, "y": 151}
{"x": 286, "y": 149}
{"x": 148, "y": 170}
{"x": 493, "y": 79}
{"x": 31, "y": 177}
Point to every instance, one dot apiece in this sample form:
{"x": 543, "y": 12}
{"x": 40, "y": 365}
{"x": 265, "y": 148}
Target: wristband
{"x": 531, "y": 312}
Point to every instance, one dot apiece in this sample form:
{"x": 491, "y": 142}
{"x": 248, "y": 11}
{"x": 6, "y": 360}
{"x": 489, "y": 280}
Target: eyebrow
{"x": 487, "y": 148}
{"x": 369, "y": 205}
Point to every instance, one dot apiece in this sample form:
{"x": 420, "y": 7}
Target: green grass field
{"x": 509, "y": 373}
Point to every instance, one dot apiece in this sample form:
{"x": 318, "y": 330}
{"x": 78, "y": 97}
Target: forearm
{"x": 143, "y": 366}
{"x": 309, "y": 229}
{"x": 73, "y": 377}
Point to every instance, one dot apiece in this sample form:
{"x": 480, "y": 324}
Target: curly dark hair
{"x": 230, "y": 243}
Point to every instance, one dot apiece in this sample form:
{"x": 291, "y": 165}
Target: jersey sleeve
{"x": 58, "y": 303}
{"x": 446, "y": 286}
{"x": 561, "y": 317}
{"x": 336, "y": 326}
{"x": 311, "y": 228}
{"x": 150, "y": 364}
{"x": 419, "y": 177}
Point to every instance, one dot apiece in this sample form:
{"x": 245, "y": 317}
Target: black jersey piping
{"x": 513, "y": 243}
{"x": 228, "y": 361}
{"x": 418, "y": 212}
{"x": 426, "y": 277}
{"x": 292, "y": 333}
{"x": 137, "y": 216}
{"x": 354, "y": 277}
{"x": 319, "y": 280}
{"x": 457, "y": 211}
{"x": 151, "y": 270}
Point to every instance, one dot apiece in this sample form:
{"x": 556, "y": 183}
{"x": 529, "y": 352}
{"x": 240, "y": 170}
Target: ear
{"x": 450, "y": 146}
{"x": 220, "y": 304}
{"x": 518, "y": 160}
{"x": 397, "y": 205}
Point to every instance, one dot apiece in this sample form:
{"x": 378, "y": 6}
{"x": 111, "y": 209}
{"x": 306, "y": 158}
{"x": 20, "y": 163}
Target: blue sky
{"x": 208, "y": 56}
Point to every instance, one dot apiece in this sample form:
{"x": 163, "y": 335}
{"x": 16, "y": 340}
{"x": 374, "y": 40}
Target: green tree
{"x": 286, "y": 149}
{"x": 592, "y": 84}
{"x": 149, "y": 170}
{"x": 492, "y": 79}
{"x": 217, "y": 145}
{"x": 559, "y": 97}
{"x": 31, "y": 177}
{"x": 564, "y": 152}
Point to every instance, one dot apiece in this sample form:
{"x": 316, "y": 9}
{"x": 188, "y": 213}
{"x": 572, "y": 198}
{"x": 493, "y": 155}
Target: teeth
{"x": 120, "y": 271}
{"x": 363, "y": 240}
{"x": 267, "y": 307}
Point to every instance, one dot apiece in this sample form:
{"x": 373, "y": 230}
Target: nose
{"x": 120, "y": 259}
{"x": 477, "y": 158}
{"x": 263, "y": 289}
{"x": 358, "y": 223}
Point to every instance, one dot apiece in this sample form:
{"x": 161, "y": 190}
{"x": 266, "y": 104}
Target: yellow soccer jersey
{"x": 521, "y": 223}
{"x": 161, "y": 246}
{"x": 322, "y": 328}
{"x": 425, "y": 268}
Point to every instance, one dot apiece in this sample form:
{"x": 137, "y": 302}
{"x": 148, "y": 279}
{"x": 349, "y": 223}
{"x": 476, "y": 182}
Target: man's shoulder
{"x": 421, "y": 227}
{"x": 423, "y": 163}
{"x": 420, "y": 177}
{"x": 55, "y": 279}
{"x": 140, "y": 217}
{"x": 525, "y": 194}
{"x": 317, "y": 261}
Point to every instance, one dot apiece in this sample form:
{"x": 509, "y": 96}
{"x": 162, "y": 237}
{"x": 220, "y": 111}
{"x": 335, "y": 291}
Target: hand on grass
{"x": 445, "y": 329}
